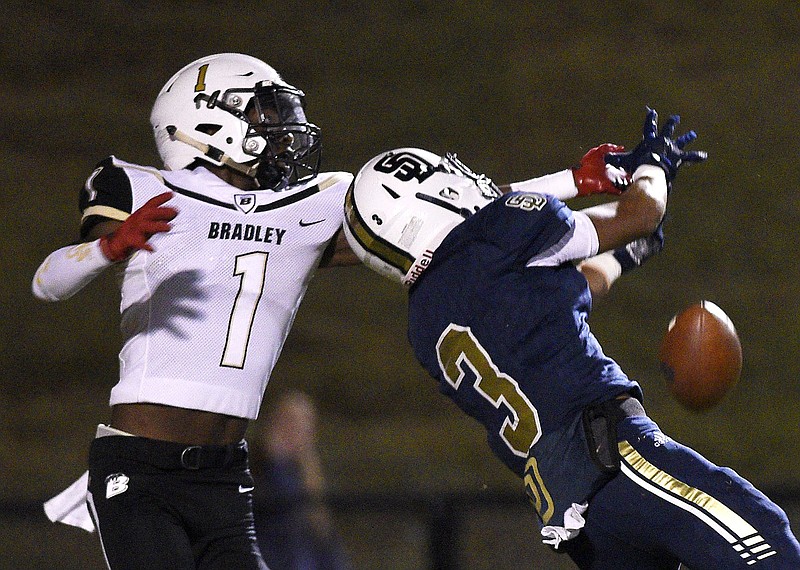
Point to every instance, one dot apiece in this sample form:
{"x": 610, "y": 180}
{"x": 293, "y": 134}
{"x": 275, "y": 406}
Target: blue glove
{"x": 659, "y": 149}
{"x": 638, "y": 251}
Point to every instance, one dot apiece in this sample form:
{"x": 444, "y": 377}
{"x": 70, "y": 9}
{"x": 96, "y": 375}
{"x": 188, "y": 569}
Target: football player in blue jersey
{"x": 500, "y": 283}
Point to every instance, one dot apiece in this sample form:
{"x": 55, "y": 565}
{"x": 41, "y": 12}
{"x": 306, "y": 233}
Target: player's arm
{"x": 649, "y": 192}
{"x": 338, "y": 253}
{"x": 592, "y": 175}
{"x": 601, "y": 271}
{"x": 635, "y": 218}
{"x": 636, "y": 214}
{"x": 69, "y": 269}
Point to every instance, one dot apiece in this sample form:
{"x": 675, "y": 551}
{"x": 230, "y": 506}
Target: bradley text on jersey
{"x": 245, "y": 232}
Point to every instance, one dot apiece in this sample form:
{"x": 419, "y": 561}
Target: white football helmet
{"x": 235, "y": 110}
{"x": 402, "y": 205}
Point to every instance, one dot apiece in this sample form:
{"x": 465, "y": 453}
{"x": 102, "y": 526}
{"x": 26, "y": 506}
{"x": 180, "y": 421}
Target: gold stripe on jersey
{"x": 372, "y": 243}
{"x": 106, "y": 212}
{"x": 734, "y": 529}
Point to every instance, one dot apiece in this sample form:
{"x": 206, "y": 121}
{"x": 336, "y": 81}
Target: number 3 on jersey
{"x": 457, "y": 347}
{"x": 251, "y": 269}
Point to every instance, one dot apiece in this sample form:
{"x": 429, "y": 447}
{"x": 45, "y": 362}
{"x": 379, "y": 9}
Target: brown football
{"x": 701, "y": 356}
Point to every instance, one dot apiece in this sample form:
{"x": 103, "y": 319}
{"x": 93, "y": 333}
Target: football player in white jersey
{"x": 215, "y": 252}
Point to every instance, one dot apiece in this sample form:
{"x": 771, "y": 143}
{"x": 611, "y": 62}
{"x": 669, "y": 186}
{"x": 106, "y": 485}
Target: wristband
{"x": 624, "y": 258}
{"x": 559, "y": 184}
{"x": 638, "y": 251}
{"x": 649, "y": 171}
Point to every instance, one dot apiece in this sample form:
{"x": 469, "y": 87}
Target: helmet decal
{"x": 405, "y": 166}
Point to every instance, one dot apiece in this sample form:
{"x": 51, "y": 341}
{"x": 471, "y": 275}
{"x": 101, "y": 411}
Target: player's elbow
{"x": 597, "y": 277}
{"x": 46, "y": 288}
{"x": 41, "y": 295}
{"x": 637, "y": 217}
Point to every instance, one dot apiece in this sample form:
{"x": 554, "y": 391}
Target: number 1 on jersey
{"x": 252, "y": 270}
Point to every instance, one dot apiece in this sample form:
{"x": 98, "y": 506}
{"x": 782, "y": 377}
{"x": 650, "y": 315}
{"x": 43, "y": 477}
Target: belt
{"x": 168, "y": 454}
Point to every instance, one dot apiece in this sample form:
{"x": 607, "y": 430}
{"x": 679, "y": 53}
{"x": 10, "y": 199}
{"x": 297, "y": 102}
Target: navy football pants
{"x": 668, "y": 504}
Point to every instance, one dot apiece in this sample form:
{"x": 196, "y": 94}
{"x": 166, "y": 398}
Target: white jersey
{"x": 205, "y": 315}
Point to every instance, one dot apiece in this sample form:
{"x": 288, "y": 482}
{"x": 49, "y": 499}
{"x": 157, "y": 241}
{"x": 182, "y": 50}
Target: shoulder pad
{"x": 108, "y": 184}
{"x": 134, "y": 167}
{"x": 330, "y": 179}
{"x": 107, "y": 194}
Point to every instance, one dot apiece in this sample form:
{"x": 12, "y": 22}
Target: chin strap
{"x": 211, "y": 152}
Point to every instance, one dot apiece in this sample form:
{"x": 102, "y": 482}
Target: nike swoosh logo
{"x": 243, "y": 489}
{"x": 306, "y": 224}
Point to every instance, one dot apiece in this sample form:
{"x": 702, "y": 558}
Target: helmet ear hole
{"x": 209, "y": 129}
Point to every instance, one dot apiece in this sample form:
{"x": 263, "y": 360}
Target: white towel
{"x": 573, "y": 523}
{"x": 69, "y": 506}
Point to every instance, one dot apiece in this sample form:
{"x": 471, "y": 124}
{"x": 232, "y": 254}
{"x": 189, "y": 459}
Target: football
{"x": 701, "y": 356}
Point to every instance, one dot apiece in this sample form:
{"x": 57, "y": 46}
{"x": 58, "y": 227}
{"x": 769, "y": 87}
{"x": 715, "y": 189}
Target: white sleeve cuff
{"x": 560, "y": 184}
{"x": 606, "y": 264}
{"x": 580, "y": 244}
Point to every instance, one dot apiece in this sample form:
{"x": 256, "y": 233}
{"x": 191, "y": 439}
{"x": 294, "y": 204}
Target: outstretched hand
{"x": 141, "y": 225}
{"x": 659, "y": 149}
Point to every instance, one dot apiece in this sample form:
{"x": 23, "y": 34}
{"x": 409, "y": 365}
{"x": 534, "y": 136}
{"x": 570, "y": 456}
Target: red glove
{"x": 592, "y": 176}
{"x": 140, "y": 226}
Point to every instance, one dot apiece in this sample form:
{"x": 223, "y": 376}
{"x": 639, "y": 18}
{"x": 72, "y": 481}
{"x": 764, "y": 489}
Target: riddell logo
{"x": 419, "y": 266}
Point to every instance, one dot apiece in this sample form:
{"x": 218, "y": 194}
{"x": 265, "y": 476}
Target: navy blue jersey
{"x": 508, "y": 341}
{"x": 510, "y": 344}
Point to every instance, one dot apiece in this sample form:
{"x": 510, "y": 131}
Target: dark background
{"x": 517, "y": 90}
